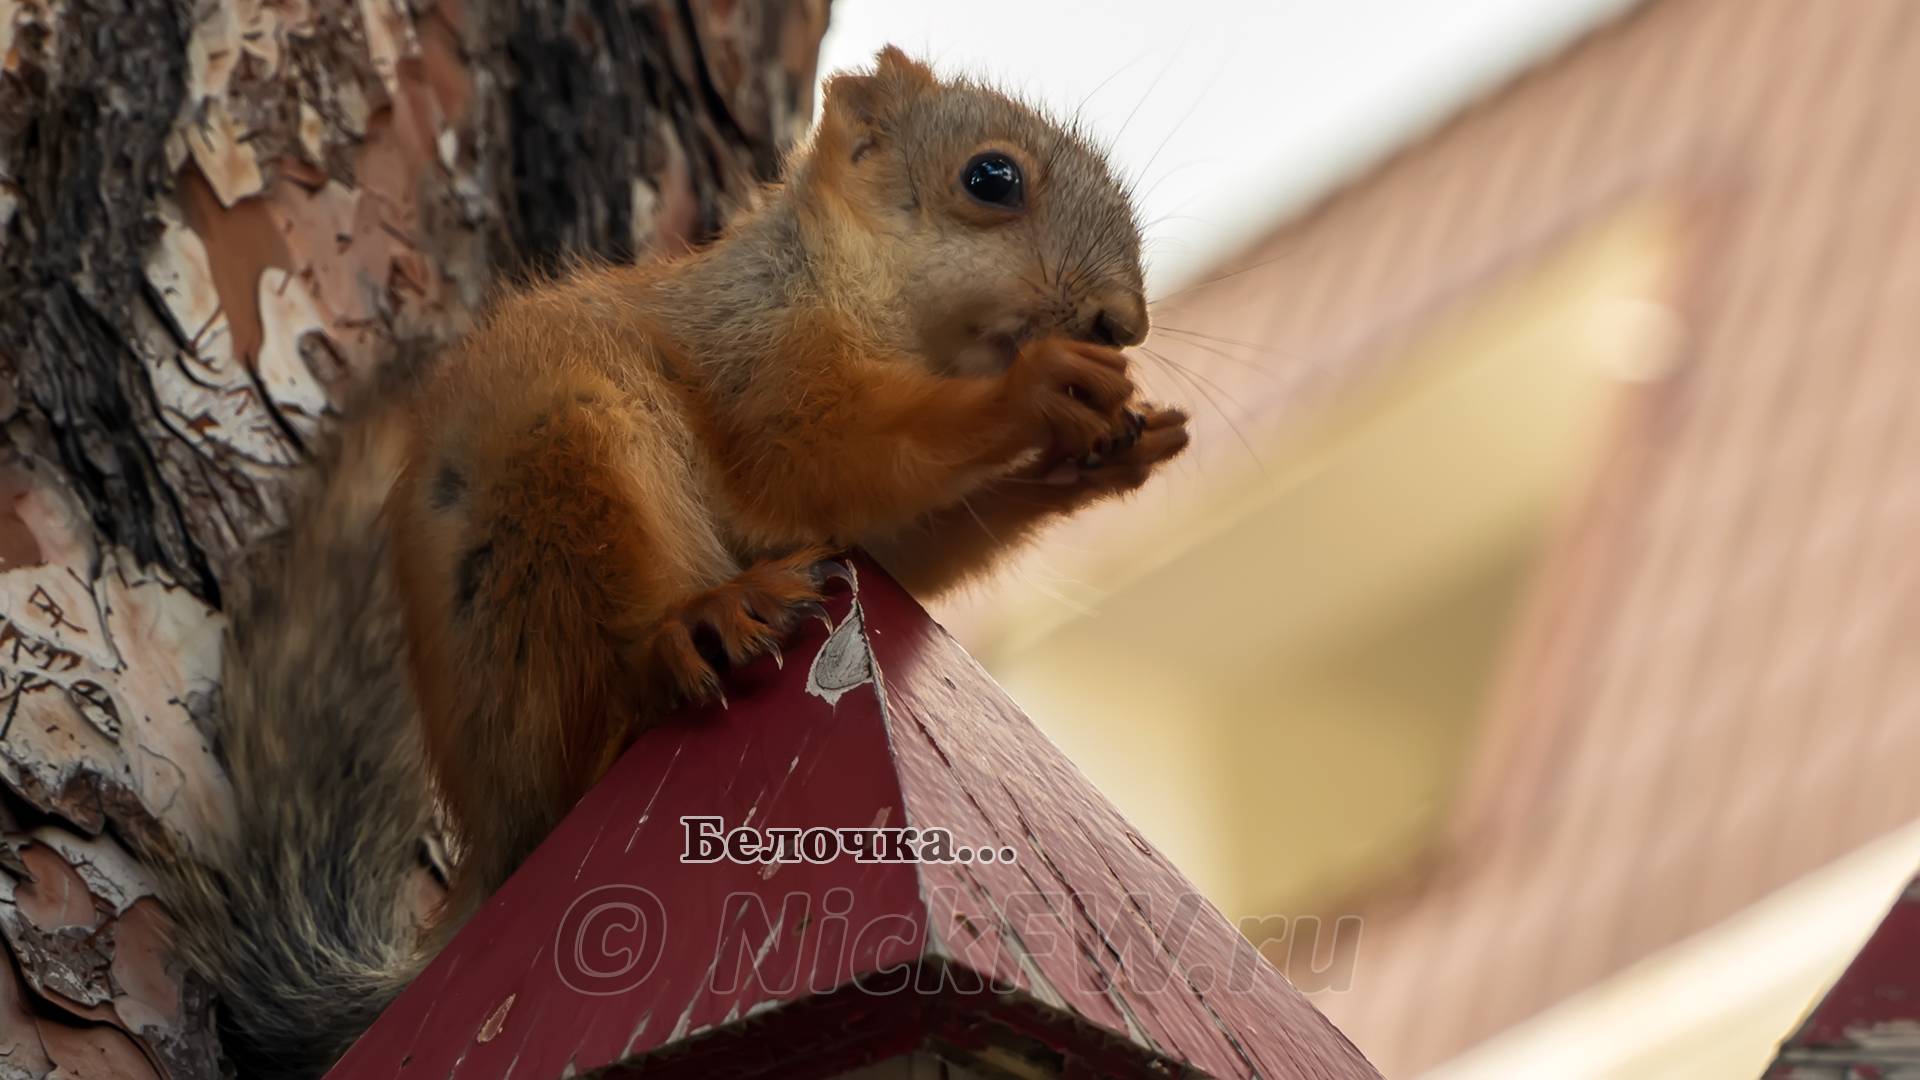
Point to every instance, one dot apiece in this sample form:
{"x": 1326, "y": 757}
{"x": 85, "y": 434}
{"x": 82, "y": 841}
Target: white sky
{"x": 1230, "y": 111}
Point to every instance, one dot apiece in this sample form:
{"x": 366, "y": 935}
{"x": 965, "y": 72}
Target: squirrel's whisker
{"x": 1286, "y": 252}
{"x": 1202, "y": 388}
{"x": 1249, "y": 365}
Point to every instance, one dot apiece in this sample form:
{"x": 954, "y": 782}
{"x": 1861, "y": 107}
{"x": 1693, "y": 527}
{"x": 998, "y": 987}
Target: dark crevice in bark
{"x": 93, "y": 392}
{"x": 88, "y": 156}
{"x": 575, "y": 130}
{"x": 592, "y": 85}
{"x": 766, "y": 163}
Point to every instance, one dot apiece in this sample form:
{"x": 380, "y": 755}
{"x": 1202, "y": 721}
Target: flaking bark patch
{"x": 219, "y": 221}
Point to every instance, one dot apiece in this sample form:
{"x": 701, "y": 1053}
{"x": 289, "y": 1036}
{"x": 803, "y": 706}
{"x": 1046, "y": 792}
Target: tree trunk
{"x": 218, "y": 218}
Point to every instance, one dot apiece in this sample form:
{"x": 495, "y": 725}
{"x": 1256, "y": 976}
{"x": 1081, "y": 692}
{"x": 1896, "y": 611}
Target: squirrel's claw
{"x": 813, "y": 609}
{"x": 1133, "y": 425}
{"x": 827, "y": 570}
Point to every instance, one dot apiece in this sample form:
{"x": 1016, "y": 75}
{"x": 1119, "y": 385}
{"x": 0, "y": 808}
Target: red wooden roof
{"x": 1868, "y": 1025}
{"x": 1087, "y": 952}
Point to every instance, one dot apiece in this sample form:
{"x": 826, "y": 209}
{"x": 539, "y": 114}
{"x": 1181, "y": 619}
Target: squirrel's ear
{"x": 857, "y": 106}
{"x": 847, "y": 120}
{"x": 902, "y": 72}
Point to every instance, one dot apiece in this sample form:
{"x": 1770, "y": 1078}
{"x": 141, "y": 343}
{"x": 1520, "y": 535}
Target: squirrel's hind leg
{"x": 533, "y": 548}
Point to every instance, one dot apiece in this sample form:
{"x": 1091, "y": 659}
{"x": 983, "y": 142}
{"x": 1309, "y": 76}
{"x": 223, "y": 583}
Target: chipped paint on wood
{"x": 490, "y": 1028}
{"x": 844, "y": 662}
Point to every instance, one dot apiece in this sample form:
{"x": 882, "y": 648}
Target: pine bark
{"x": 219, "y": 219}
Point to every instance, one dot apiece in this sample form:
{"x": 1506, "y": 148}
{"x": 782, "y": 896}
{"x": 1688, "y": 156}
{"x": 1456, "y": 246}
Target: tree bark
{"x": 218, "y": 219}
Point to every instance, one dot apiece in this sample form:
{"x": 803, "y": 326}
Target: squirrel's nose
{"x": 1119, "y": 320}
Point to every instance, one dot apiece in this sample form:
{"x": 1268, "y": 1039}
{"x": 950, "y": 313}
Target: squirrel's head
{"x": 991, "y": 224}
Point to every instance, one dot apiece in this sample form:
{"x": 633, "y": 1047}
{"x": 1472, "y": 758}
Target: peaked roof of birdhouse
{"x": 1085, "y": 950}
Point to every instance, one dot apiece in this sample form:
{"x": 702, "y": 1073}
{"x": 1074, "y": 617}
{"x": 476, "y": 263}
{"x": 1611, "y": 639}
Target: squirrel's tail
{"x": 305, "y": 914}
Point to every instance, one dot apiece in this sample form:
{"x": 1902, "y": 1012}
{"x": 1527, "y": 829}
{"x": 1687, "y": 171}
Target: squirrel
{"x": 627, "y": 479}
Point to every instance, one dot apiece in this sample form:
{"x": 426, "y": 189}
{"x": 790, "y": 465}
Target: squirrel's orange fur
{"x": 625, "y": 479}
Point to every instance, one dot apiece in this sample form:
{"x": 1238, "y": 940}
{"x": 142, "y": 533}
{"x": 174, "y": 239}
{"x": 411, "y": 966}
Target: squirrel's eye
{"x": 994, "y": 179}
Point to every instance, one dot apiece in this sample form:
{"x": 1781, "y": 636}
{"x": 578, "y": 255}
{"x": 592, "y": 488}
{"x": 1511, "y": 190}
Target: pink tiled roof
{"x": 1717, "y": 688}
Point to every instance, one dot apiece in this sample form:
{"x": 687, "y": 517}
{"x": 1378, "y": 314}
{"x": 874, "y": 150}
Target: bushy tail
{"x": 304, "y": 915}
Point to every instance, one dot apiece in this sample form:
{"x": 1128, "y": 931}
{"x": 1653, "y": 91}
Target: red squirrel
{"x": 629, "y": 478}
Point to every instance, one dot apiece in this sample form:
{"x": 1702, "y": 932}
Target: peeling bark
{"x": 218, "y": 220}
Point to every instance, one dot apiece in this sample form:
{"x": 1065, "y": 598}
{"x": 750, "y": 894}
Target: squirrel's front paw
{"x": 1075, "y": 393}
{"x": 1124, "y": 459}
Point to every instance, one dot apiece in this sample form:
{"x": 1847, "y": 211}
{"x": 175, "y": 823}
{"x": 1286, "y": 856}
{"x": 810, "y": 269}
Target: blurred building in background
{"x": 1542, "y": 587}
